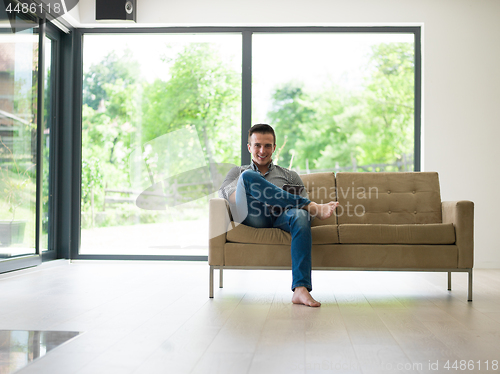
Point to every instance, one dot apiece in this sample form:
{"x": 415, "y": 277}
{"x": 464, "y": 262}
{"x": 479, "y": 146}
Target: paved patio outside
{"x": 169, "y": 238}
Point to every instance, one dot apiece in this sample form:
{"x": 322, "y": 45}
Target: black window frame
{"x": 54, "y": 34}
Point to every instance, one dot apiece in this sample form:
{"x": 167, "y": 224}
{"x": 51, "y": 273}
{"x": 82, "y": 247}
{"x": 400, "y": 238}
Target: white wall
{"x": 461, "y": 79}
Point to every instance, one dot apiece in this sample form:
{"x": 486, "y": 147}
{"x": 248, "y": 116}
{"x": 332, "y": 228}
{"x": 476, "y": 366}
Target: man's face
{"x": 261, "y": 147}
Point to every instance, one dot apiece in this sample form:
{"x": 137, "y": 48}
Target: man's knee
{"x": 300, "y": 216}
{"x": 249, "y": 180}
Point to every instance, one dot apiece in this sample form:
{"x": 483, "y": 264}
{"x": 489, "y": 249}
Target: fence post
{"x": 92, "y": 206}
{"x": 175, "y": 191}
{"x": 354, "y": 164}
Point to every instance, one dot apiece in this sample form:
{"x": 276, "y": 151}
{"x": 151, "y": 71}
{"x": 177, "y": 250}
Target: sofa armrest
{"x": 218, "y": 221}
{"x": 461, "y": 214}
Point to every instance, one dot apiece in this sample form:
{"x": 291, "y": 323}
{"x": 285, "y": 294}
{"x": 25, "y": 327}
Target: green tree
{"x": 318, "y": 129}
{"x": 109, "y": 117}
{"x": 387, "y": 126}
{"x": 333, "y": 136}
{"x": 291, "y": 114}
{"x": 334, "y": 125}
{"x": 203, "y": 91}
{"x": 92, "y": 185}
{"x": 112, "y": 69}
{"x": 122, "y": 112}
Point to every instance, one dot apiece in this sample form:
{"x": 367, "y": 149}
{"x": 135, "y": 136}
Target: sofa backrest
{"x": 321, "y": 189}
{"x": 390, "y": 198}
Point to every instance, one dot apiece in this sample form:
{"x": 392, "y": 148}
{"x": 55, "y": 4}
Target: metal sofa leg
{"x": 220, "y": 276}
{"x": 211, "y": 283}
{"x": 449, "y": 281}
{"x": 469, "y": 297}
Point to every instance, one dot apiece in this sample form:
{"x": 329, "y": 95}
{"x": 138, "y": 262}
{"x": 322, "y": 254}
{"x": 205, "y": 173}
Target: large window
{"x": 165, "y": 116}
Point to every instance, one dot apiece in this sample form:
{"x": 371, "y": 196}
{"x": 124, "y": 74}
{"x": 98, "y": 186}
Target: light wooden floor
{"x": 156, "y": 317}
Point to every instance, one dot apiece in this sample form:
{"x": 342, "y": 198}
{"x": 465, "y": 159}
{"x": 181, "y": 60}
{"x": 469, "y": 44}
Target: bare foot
{"x": 302, "y": 296}
{"x": 322, "y": 211}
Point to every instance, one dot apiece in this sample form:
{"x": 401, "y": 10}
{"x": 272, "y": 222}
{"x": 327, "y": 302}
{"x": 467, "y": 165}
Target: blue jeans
{"x": 253, "y": 192}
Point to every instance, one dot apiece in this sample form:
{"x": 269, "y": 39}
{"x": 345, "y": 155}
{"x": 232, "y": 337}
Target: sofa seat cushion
{"x": 434, "y": 233}
{"x": 239, "y": 233}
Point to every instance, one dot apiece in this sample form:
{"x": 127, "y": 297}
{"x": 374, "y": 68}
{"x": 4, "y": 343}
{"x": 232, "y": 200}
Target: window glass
{"x": 161, "y": 125}
{"x": 338, "y": 101}
{"x": 47, "y": 127}
{"x": 18, "y": 125}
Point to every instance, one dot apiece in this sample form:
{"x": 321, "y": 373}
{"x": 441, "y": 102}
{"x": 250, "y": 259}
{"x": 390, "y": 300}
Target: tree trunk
{"x": 215, "y": 176}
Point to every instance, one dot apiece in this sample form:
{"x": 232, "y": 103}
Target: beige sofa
{"x": 385, "y": 221}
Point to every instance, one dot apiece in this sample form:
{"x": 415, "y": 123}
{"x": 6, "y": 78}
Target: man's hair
{"x": 261, "y": 128}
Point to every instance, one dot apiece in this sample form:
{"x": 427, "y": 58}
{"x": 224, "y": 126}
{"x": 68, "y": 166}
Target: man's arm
{"x": 228, "y": 188}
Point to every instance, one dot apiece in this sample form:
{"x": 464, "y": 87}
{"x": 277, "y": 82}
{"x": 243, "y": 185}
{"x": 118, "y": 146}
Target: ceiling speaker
{"x": 116, "y": 10}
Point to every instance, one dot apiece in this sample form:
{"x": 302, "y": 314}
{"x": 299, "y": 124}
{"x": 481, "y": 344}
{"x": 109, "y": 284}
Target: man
{"x": 257, "y": 199}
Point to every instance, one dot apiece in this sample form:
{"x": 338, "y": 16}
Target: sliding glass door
{"x": 27, "y": 115}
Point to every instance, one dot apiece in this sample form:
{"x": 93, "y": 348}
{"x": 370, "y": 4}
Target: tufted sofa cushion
{"x": 321, "y": 189}
{"x": 388, "y": 198}
{"x": 432, "y": 233}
